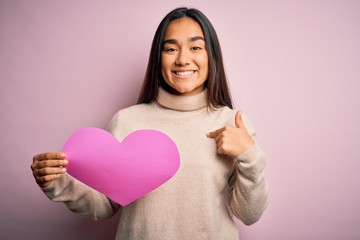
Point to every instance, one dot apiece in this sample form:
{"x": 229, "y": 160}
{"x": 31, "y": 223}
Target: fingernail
{"x": 63, "y": 169}
{"x": 65, "y": 162}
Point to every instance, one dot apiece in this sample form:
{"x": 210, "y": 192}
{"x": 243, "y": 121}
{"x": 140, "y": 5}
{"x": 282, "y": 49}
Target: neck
{"x": 182, "y": 103}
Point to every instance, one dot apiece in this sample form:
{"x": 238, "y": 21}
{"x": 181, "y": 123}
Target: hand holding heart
{"x": 232, "y": 141}
{"x": 47, "y": 167}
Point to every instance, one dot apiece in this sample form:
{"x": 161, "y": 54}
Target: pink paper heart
{"x": 123, "y": 171}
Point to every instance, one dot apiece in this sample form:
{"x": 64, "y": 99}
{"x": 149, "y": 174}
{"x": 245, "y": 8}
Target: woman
{"x": 185, "y": 95}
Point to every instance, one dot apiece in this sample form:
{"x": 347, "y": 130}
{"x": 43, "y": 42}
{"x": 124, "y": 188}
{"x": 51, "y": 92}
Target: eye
{"x": 196, "y": 48}
{"x": 169, "y": 49}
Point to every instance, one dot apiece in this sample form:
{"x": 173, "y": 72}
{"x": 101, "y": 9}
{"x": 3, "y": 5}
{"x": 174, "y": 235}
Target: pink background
{"x": 293, "y": 67}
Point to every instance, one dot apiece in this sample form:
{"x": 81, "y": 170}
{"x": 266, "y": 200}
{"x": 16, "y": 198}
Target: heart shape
{"x": 123, "y": 171}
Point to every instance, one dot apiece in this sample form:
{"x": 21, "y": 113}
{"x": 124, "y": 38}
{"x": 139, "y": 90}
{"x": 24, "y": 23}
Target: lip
{"x": 184, "y": 73}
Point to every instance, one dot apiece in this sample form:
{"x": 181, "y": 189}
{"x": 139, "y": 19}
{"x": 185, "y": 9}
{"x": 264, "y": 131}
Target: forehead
{"x": 183, "y": 28}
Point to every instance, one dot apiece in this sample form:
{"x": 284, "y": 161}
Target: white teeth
{"x": 184, "y": 73}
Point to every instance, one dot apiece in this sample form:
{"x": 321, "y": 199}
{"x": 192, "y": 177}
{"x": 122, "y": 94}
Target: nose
{"x": 183, "y": 58}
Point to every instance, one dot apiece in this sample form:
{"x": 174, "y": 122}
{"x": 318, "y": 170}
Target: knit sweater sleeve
{"x": 80, "y": 198}
{"x": 248, "y": 189}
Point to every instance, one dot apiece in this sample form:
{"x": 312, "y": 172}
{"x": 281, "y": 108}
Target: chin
{"x": 192, "y": 91}
{"x": 183, "y": 89}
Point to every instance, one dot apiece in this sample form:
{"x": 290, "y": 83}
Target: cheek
{"x": 165, "y": 65}
{"x": 205, "y": 63}
{"x": 163, "y": 74}
{"x": 203, "y": 59}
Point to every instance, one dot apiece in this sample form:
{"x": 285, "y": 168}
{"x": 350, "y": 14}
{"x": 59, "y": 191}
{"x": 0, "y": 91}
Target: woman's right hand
{"x": 47, "y": 167}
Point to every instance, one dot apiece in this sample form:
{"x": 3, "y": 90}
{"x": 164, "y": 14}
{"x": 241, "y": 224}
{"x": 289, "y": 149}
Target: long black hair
{"x": 218, "y": 89}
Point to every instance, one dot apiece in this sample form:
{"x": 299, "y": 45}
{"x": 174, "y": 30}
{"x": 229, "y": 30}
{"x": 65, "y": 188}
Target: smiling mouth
{"x": 184, "y": 73}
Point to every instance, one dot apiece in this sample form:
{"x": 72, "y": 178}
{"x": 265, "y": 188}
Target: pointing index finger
{"x": 214, "y": 134}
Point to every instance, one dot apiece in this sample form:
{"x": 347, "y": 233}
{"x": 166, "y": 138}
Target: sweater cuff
{"x": 252, "y": 162}
{"x": 252, "y": 153}
{"x": 57, "y": 186}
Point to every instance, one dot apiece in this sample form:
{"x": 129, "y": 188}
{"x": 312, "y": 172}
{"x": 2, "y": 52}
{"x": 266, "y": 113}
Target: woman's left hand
{"x": 232, "y": 141}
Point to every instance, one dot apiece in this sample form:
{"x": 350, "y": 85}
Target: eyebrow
{"x": 192, "y": 39}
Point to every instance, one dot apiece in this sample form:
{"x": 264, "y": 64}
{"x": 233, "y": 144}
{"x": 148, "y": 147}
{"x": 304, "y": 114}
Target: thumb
{"x": 238, "y": 121}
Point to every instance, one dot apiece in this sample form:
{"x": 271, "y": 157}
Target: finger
{"x": 52, "y": 163}
{"x": 238, "y": 120}
{"x": 220, "y": 150}
{"x": 214, "y": 133}
{"x": 44, "y": 180}
{"x": 48, "y": 171}
{"x": 49, "y": 163}
{"x": 220, "y": 142}
{"x": 219, "y": 137}
{"x": 49, "y": 155}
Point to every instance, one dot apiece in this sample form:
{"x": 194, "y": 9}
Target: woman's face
{"x": 184, "y": 64}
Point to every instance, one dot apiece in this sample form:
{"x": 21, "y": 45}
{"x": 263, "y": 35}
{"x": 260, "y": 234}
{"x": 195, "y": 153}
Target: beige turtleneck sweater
{"x": 208, "y": 189}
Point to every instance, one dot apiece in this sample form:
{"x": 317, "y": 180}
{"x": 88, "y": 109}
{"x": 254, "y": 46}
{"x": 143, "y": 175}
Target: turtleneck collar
{"x": 182, "y": 103}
